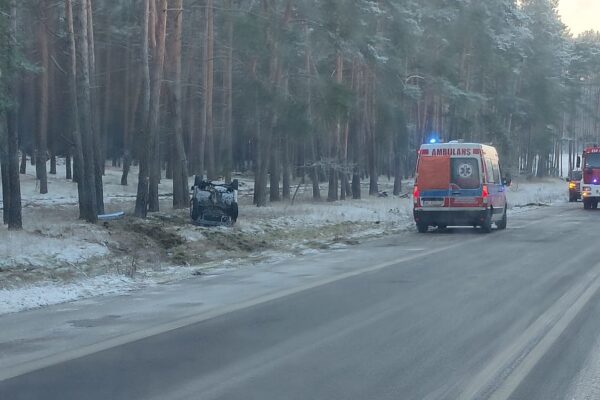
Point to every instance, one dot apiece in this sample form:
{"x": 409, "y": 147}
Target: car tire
{"x": 422, "y": 227}
{"x": 503, "y": 222}
{"x": 486, "y": 225}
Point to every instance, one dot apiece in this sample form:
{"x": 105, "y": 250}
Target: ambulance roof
{"x": 458, "y": 145}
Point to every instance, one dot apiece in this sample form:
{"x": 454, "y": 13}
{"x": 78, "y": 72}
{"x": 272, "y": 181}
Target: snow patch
{"x": 14, "y": 300}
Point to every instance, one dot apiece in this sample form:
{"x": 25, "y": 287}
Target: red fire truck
{"x": 590, "y": 182}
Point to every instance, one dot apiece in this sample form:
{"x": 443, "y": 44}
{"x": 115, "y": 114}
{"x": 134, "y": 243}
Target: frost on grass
{"x": 537, "y": 193}
{"x": 57, "y": 258}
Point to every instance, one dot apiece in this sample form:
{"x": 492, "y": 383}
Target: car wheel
{"x": 422, "y": 227}
{"x": 503, "y": 222}
{"x": 486, "y": 225}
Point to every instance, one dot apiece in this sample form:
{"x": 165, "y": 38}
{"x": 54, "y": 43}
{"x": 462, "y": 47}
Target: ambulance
{"x": 459, "y": 184}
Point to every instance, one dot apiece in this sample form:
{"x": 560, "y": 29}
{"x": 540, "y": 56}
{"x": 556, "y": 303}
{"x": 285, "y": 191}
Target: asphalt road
{"x": 446, "y": 315}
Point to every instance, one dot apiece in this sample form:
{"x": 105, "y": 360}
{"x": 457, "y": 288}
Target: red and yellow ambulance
{"x": 459, "y": 184}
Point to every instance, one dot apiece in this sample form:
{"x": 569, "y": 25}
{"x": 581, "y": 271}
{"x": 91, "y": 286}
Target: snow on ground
{"x": 537, "y": 193}
{"x": 58, "y": 258}
{"x": 12, "y": 300}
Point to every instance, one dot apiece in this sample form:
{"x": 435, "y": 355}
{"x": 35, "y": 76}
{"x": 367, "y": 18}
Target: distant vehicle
{"x": 459, "y": 184}
{"x": 214, "y": 203}
{"x": 575, "y": 185}
{"x": 590, "y": 184}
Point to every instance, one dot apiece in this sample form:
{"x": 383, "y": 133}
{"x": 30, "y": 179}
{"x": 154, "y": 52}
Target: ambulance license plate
{"x": 433, "y": 203}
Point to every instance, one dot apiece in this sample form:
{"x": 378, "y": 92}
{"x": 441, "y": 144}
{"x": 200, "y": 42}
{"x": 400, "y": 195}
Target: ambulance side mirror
{"x": 578, "y": 161}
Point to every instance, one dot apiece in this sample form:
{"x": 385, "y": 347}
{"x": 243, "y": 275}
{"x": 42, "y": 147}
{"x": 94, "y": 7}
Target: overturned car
{"x": 214, "y": 203}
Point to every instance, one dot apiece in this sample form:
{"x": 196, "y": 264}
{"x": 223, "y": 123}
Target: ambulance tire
{"x": 422, "y": 228}
{"x": 486, "y": 225}
{"x": 503, "y": 222}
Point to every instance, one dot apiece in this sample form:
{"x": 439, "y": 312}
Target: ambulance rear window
{"x": 465, "y": 173}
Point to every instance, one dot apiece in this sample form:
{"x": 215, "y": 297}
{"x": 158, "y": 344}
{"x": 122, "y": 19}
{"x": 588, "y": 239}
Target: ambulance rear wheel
{"x": 422, "y": 228}
{"x": 503, "y": 222}
{"x": 486, "y": 225}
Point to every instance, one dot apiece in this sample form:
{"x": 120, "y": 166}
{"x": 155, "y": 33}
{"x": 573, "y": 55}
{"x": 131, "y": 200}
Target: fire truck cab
{"x": 459, "y": 184}
{"x": 590, "y": 182}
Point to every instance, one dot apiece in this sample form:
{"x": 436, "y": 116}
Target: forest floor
{"x": 58, "y": 258}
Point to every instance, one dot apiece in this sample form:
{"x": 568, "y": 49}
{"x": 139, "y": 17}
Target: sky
{"x": 580, "y": 15}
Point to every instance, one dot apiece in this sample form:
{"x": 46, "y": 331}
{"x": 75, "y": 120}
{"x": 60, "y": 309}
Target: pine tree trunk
{"x": 23, "y": 166}
{"x": 68, "y": 168}
{"x": 371, "y": 144}
{"x": 107, "y": 101}
{"x": 397, "y": 174}
{"x": 228, "y": 94}
{"x": 274, "y": 175}
{"x": 6, "y": 207}
{"x": 181, "y": 197}
{"x": 42, "y": 132}
{"x": 286, "y": 170}
{"x": 99, "y": 147}
{"x": 208, "y": 92}
{"x": 53, "y": 164}
{"x": 126, "y": 115}
{"x": 88, "y": 164}
{"x": 314, "y": 170}
{"x": 157, "y": 76}
{"x": 141, "y": 200}
{"x": 15, "y": 221}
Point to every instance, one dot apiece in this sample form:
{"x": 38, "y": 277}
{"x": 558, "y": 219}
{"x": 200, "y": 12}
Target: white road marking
{"x": 587, "y": 384}
{"x": 545, "y": 330}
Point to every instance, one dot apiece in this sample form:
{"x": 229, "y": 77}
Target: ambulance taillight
{"x": 416, "y": 195}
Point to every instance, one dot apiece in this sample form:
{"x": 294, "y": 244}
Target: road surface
{"x": 446, "y": 315}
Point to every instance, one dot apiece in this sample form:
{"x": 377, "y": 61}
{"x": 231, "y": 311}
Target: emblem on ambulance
{"x": 465, "y": 170}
